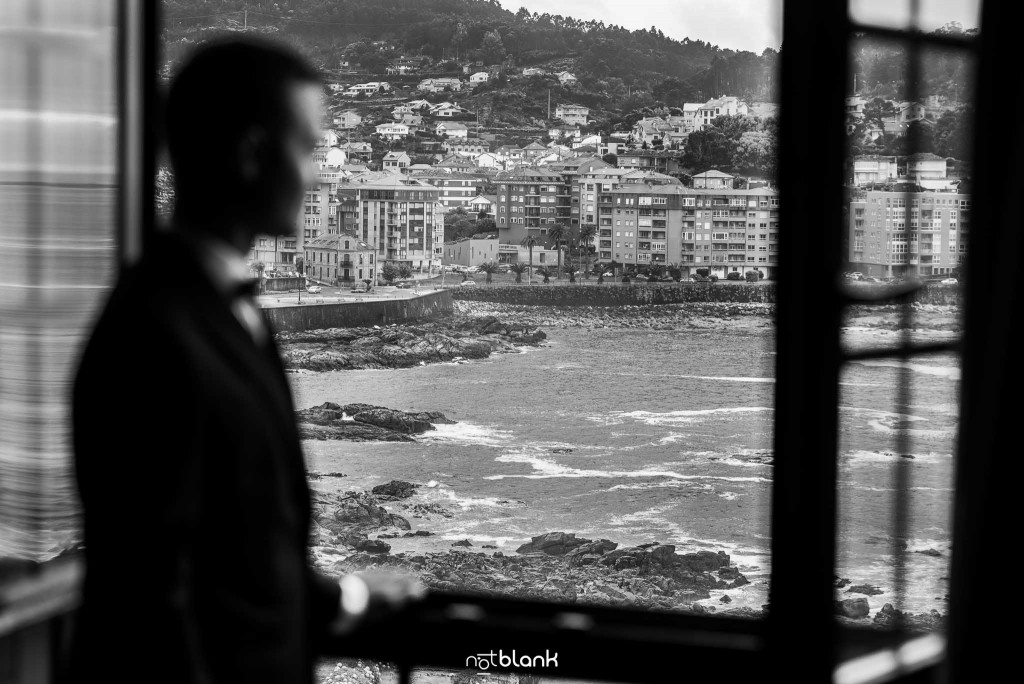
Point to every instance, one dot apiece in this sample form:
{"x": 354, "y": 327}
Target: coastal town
{"x": 418, "y": 176}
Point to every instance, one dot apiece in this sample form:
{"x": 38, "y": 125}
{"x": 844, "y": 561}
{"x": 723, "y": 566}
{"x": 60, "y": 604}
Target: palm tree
{"x": 490, "y": 268}
{"x": 259, "y": 266}
{"x": 588, "y": 231}
{"x": 558, "y": 235}
{"x": 546, "y": 273}
{"x": 519, "y": 269}
{"x": 571, "y": 269}
{"x": 530, "y": 241}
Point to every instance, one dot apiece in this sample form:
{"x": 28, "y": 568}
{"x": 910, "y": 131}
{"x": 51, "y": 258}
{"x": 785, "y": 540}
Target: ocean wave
{"x": 446, "y": 495}
{"x": 685, "y": 417}
{"x": 544, "y": 468}
{"x": 948, "y": 372}
{"x": 863, "y": 456}
{"x": 467, "y": 433}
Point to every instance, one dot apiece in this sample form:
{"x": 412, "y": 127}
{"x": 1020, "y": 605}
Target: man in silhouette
{"x": 190, "y": 471}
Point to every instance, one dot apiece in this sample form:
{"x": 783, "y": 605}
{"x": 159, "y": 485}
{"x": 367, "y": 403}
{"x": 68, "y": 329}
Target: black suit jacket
{"x": 196, "y": 505}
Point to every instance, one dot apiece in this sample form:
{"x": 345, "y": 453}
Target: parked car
{"x": 949, "y": 281}
{"x": 467, "y": 283}
{"x": 405, "y": 284}
{"x": 313, "y": 289}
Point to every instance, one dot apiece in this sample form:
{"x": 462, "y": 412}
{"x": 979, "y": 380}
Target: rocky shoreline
{"x": 726, "y": 316}
{"x": 352, "y": 529}
{"x": 448, "y": 339}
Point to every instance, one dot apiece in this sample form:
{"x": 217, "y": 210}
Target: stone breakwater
{"x": 451, "y": 338}
{"x": 668, "y": 293}
{"x": 365, "y": 423}
{"x": 649, "y": 316}
{"x": 701, "y": 316}
{"x": 350, "y": 530}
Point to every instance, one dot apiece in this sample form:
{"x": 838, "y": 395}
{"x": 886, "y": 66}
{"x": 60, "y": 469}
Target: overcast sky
{"x": 738, "y": 24}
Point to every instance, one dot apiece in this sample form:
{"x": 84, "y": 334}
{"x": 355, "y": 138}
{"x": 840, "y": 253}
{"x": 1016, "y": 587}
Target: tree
{"x": 545, "y": 273}
{"x": 300, "y": 265}
{"x": 676, "y": 271}
{"x": 389, "y": 271}
{"x": 404, "y": 271}
{"x": 259, "y": 267}
{"x": 586, "y": 235}
{"x": 558, "y": 235}
{"x": 572, "y": 270}
{"x": 519, "y": 269}
{"x": 490, "y": 268}
{"x": 611, "y": 158}
{"x": 530, "y": 241}
{"x": 492, "y": 51}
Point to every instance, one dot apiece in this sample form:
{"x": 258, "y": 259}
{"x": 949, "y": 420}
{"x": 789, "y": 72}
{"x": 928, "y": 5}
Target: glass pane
{"x": 58, "y": 197}
{"x": 623, "y": 456}
{"x": 908, "y": 124}
{"x": 931, "y": 15}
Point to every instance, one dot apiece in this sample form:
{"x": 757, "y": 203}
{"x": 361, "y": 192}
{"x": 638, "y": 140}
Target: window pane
{"x": 932, "y": 14}
{"x": 58, "y": 196}
{"x": 625, "y": 457}
{"x": 908, "y": 125}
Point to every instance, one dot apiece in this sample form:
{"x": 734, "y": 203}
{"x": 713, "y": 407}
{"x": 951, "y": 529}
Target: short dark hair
{"x": 226, "y": 86}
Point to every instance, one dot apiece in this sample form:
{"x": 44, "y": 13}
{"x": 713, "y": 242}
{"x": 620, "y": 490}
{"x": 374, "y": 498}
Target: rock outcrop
{"x": 394, "y": 346}
{"x": 364, "y": 423}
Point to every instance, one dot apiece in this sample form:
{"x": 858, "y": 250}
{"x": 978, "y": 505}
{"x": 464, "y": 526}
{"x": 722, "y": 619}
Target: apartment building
{"x": 572, "y": 113}
{"x": 401, "y": 219}
{"x": 917, "y": 233}
{"x": 455, "y": 189}
{"x": 722, "y": 230}
{"x": 530, "y": 200}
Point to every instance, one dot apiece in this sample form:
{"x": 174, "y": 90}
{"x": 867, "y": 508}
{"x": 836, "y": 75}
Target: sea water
{"x": 654, "y": 436}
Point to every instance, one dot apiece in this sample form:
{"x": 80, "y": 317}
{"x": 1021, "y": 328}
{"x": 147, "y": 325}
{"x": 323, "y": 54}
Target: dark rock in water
{"x": 360, "y": 511}
{"x": 364, "y": 423}
{"x": 422, "y": 510}
{"x": 373, "y": 546}
{"x": 725, "y": 599}
{"x": 864, "y": 589}
{"x": 419, "y": 533}
{"x": 853, "y": 608}
{"x": 317, "y": 476}
{"x": 553, "y": 543}
{"x": 599, "y": 547}
{"x": 934, "y": 553}
{"x": 462, "y": 542}
{"x": 398, "y": 421}
{"x": 910, "y": 456}
{"x": 729, "y": 573}
{"x": 387, "y": 535}
{"x": 704, "y": 561}
{"x": 351, "y": 432}
{"x": 488, "y": 546}
{"x": 841, "y": 582}
{"x": 561, "y": 451}
{"x": 498, "y": 554}
{"x": 396, "y": 489}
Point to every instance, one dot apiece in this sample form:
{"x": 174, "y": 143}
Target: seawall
{"x": 356, "y": 314}
{"x": 634, "y": 295}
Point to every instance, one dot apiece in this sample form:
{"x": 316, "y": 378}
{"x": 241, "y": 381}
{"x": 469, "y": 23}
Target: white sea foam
{"x": 948, "y": 372}
{"x": 446, "y": 495}
{"x": 862, "y": 456}
{"x": 544, "y": 468}
{"x": 467, "y": 433}
{"x": 729, "y": 496}
{"x": 686, "y": 417}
